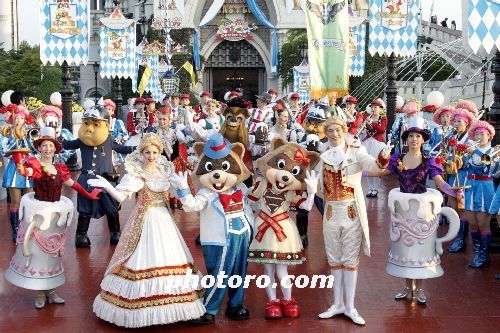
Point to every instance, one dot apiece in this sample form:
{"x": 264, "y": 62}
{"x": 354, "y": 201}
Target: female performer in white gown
{"x": 149, "y": 280}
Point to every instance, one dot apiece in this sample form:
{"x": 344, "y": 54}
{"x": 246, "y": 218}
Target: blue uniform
{"x": 96, "y": 161}
{"x": 435, "y": 140}
{"x": 479, "y": 196}
{"x": 66, "y": 135}
{"x": 462, "y": 173}
{"x": 11, "y": 177}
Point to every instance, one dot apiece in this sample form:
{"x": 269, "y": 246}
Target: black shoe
{"x": 207, "y": 318}
{"x": 197, "y": 240}
{"x": 114, "y": 237}
{"x": 114, "y": 228}
{"x": 81, "y": 238}
{"x": 237, "y": 313}
{"x": 305, "y": 240}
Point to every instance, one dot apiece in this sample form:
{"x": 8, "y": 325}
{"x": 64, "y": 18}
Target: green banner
{"x": 328, "y": 47}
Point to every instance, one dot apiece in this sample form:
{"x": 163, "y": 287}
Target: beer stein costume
{"x": 45, "y": 216}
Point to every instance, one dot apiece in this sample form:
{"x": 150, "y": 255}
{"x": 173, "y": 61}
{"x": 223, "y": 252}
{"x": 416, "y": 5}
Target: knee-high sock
{"x": 338, "y": 290}
{"x": 350, "y": 280}
{"x": 371, "y": 185}
{"x": 269, "y": 270}
{"x": 282, "y": 272}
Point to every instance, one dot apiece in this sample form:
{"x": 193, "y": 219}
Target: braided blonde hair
{"x": 150, "y": 139}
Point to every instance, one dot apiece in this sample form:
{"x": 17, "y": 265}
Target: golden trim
{"x": 146, "y": 302}
{"x": 133, "y": 275}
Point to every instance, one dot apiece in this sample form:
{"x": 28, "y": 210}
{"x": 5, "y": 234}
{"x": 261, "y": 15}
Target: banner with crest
{"x": 301, "y": 83}
{"x": 328, "y": 47}
{"x": 394, "y": 26}
{"x": 64, "y": 31}
{"x": 117, "y": 40}
{"x": 147, "y": 58}
{"x": 357, "y": 38}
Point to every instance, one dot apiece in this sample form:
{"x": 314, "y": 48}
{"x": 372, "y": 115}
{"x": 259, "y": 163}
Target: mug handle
{"x": 454, "y": 226}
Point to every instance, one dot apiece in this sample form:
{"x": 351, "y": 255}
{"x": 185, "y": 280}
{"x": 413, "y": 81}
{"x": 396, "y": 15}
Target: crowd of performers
{"x": 253, "y": 166}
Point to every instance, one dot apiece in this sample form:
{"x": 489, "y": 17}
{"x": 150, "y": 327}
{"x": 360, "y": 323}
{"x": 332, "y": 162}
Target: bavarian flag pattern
{"x": 482, "y": 32}
{"x": 64, "y": 32}
{"x": 393, "y": 27}
{"x": 357, "y": 38}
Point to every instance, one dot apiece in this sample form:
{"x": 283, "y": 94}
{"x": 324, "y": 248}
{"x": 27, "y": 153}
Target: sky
{"x": 29, "y": 23}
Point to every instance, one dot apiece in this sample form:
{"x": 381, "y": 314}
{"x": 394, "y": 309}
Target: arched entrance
{"x": 235, "y": 65}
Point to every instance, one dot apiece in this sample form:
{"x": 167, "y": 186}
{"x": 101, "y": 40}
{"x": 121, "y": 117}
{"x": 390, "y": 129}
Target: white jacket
{"x": 214, "y": 224}
{"x": 357, "y": 159}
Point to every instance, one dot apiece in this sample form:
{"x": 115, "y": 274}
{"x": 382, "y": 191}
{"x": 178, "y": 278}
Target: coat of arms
{"x": 394, "y": 13}
{"x": 63, "y": 19}
{"x": 116, "y": 47}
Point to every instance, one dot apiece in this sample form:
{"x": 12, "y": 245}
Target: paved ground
{"x": 464, "y": 300}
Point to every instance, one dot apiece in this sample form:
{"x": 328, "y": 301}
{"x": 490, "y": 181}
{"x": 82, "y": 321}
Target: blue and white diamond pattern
{"x": 120, "y": 68}
{"x": 75, "y": 49}
{"x": 384, "y": 41}
{"x": 357, "y": 62}
{"x": 301, "y": 75}
{"x": 483, "y": 25}
{"x": 153, "y": 86}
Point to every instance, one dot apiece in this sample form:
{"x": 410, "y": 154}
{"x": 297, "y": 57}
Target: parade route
{"x": 463, "y": 300}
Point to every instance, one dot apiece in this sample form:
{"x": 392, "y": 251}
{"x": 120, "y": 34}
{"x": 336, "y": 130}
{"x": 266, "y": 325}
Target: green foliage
{"x": 51, "y": 81}
{"x": 20, "y": 69}
{"x": 290, "y": 54}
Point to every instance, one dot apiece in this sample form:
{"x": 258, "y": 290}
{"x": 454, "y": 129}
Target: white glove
{"x": 386, "y": 152}
{"x": 99, "y": 182}
{"x": 103, "y": 183}
{"x": 311, "y": 182}
{"x": 179, "y": 180}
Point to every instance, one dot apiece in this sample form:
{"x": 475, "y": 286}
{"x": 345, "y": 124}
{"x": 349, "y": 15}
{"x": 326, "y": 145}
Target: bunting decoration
{"x": 64, "y": 32}
{"x": 328, "y": 40}
{"x": 357, "y": 37}
{"x": 393, "y": 27}
{"x": 482, "y": 25}
{"x": 117, "y": 45}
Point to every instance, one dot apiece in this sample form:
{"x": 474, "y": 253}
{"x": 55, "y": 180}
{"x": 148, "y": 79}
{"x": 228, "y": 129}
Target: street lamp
{"x": 303, "y": 52}
{"x": 143, "y": 24}
{"x": 96, "y": 71}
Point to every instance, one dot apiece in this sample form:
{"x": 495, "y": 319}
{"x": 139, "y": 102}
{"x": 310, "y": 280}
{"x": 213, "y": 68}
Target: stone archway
{"x": 234, "y": 65}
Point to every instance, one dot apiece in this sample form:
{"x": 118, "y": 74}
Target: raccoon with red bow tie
{"x": 286, "y": 171}
{"x": 226, "y": 220}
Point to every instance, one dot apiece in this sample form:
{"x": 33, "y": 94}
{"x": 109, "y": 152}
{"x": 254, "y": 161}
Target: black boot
{"x": 114, "y": 228}
{"x": 14, "y": 223}
{"x": 207, "y": 318}
{"x": 237, "y": 313}
{"x": 302, "y": 222}
{"x": 197, "y": 240}
{"x": 81, "y": 238}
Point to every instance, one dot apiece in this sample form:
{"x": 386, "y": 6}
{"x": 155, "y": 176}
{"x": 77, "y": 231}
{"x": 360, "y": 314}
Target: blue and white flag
{"x": 117, "y": 46}
{"x": 394, "y": 27}
{"x": 481, "y": 22}
{"x": 147, "y": 56}
{"x": 301, "y": 84}
{"x": 64, "y": 31}
{"x": 357, "y": 38}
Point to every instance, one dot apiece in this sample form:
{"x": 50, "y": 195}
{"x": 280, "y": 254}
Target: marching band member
{"x": 479, "y": 196}
{"x": 442, "y": 117}
{"x": 374, "y": 141}
{"x": 117, "y": 129}
{"x": 461, "y": 118}
{"x": 263, "y": 113}
{"x": 213, "y": 119}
